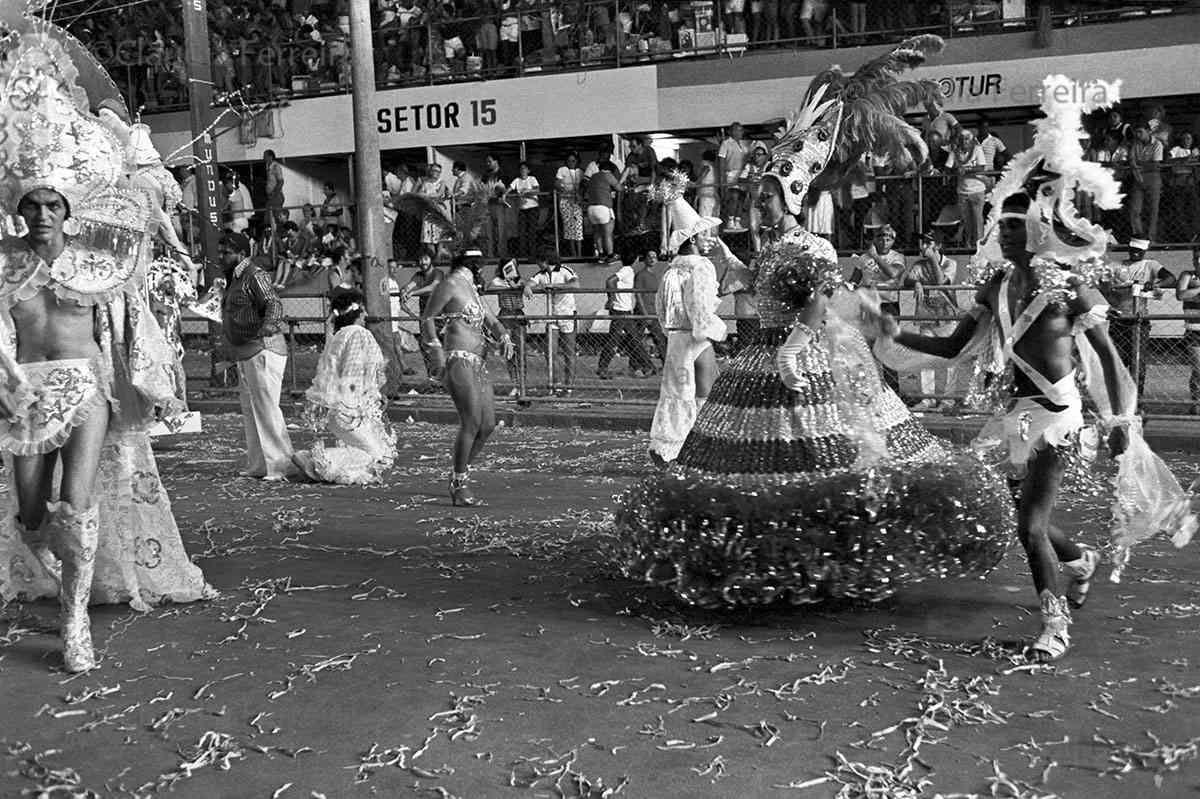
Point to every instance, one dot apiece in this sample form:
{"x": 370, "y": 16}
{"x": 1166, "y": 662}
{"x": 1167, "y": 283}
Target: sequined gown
{"x": 828, "y": 488}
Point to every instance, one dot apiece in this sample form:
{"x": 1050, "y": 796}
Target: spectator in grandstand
{"x": 487, "y": 39}
{"x": 994, "y": 151}
{"x": 1160, "y": 129}
{"x": 624, "y": 333}
{"x": 858, "y": 19}
{"x": 1188, "y": 291}
{"x": 526, "y": 188}
{"x": 1182, "y": 191}
{"x": 332, "y": 211}
{"x": 731, "y": 160}
{"x": 274, "y": 180}
{"x": 421, "y": 285}
{"x": 930, "y": 270}
{"x": 641, "y": 172}
{"x": 1118, "y": 127}
{"x": 466, "y": 184}
{"x": 883, "y": 268}
{"x": 600, "y": 189}
{"x": 819, "y": 214}
{"x": 559, "y": 332}
{"x": 645, "y": 286}
{"x": 437, "y": 192}
{"x": 735, "y": 16}
{"x": 498, "y": 207}
{"x": 764, "y": 21}
{"x": 751, "y": 178}
{"x": 708, "y": 200}
{"x": 1126, "y": 290}
{"x": 510, "y": 296}
{"x": 252, "y": 316}
{"x": 937, "y": 129}
{"x": 568, "y": 182}
{"x": 1145, "y": 182}
{"x": 238, "y": 206}
{"x": 812, "y": 19}
{"x": 604, "y": 156}
{"x": 967, "y": 160}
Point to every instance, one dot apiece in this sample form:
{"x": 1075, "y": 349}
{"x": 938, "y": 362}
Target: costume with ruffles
{"x": 345, "y": 400}
{"x": 127, "y": 547}
{"x": 805, "y": 477}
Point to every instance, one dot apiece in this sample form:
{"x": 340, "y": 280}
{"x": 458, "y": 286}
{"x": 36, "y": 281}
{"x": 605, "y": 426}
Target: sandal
{"x": 1081, "y": 572}
{"x": 1055, "y": 638}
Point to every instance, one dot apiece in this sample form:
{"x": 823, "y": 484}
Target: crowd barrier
{"x": 594, "y": 355}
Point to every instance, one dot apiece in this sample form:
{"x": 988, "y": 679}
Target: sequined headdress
{"x": 844, "y": 117}
{"x": 48, "y": 140}
{"x": 1051, "y": 172}
{"x": 685, "y": 221}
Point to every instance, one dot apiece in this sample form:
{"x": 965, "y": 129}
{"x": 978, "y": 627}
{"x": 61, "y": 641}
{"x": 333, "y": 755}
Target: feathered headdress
{"x": 844, "y": 117}
{"x": 1052, "y": 171}
{"x": 468, "y": 222}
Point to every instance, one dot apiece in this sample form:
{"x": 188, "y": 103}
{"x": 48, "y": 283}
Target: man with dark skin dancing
{"x": 1039, "y": 339}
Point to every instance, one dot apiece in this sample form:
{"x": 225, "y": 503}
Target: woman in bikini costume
{"x": 460, "y": 359}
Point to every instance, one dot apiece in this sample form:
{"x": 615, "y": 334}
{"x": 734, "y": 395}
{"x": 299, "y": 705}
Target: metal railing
{"x": 582, "y": 359}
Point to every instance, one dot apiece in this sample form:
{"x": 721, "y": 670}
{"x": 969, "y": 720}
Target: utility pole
{"x": 368, "y": 176}
{"x": 204, "y": 154}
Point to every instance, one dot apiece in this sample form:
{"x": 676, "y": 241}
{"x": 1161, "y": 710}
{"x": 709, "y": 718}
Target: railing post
{"x": 550, "y": 340}
{"x": 554, "y": 214}
{"x": 833, "y": 23}
{"x": 522, "y": 378}
{"x": 920, "y": 222}
{"x": 618, "y": 31}
{"x": 292, "y": 352}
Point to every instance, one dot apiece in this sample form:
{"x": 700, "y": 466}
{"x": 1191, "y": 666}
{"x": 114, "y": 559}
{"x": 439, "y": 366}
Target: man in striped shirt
{"x": 252, "y": 316}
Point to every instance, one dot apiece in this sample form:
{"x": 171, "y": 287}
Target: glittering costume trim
{"x": 851, "y": 533}
{"x": 677, "y": 406}
{"x": 66, "y": 393}
{"x": 1028, "y": 428}
{"x": 475, "y": 360}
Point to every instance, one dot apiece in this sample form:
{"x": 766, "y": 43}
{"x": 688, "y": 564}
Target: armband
{"x": 1125, "y": 422}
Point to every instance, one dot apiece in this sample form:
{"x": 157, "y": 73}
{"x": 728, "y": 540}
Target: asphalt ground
{"x": 378, "y": 642}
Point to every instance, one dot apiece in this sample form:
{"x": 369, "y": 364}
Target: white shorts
{"x": 600, "y": 214}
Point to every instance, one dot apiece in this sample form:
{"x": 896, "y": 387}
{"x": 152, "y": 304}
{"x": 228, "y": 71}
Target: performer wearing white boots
{"x": 686, "y": 304}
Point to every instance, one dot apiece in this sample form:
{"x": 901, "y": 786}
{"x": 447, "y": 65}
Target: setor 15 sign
{"x": 436, "y": 116}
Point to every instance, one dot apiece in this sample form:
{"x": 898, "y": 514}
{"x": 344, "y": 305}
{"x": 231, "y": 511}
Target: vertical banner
{"x": 204, "y": 149}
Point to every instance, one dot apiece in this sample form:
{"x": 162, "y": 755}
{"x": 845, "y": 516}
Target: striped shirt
{"x": 252, "y": 313}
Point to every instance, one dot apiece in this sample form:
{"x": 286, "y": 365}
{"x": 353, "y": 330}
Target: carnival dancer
{"x": 460, "y": 359}
{"x": 804, "y": 476}
{"x": 686, "y": 305}
{"x": 346, "y": 399}
{"x": 1037, "y": 310}
{"x": 79, "y": 347}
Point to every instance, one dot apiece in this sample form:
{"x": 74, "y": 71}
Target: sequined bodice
{"x": 774, "y": 311}
{"x": 87, "y": 276}
{"x": 471, "y": 314}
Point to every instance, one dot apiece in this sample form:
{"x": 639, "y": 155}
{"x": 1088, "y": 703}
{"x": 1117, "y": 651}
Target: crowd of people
{"x": 292, "y": 47}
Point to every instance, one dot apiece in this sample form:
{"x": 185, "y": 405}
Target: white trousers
{"x": 677, "y": 405}
{"x": 268, "y": 447}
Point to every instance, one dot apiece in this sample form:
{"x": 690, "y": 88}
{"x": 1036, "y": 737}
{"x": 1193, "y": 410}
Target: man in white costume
{"x": 686, "y": 304}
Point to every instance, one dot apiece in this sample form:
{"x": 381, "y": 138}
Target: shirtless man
{"x": 58, "y": 355}
{"x": 1046, "y": 414}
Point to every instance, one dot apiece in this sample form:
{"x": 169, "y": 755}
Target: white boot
{"x": 75, "y": 534}
{"x": 1055, "y": 638}
{"x": 1081, "y": 571}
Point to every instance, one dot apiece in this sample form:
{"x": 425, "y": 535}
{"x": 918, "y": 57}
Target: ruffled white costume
{"x": 686, "y": 304}
{"x": 345, "y": 400}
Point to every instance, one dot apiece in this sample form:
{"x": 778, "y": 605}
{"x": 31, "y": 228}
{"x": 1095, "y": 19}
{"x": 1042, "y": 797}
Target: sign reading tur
{"x": 437, "y": 116}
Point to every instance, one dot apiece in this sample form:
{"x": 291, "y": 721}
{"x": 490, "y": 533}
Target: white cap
{"x": 1139, "y": 244}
